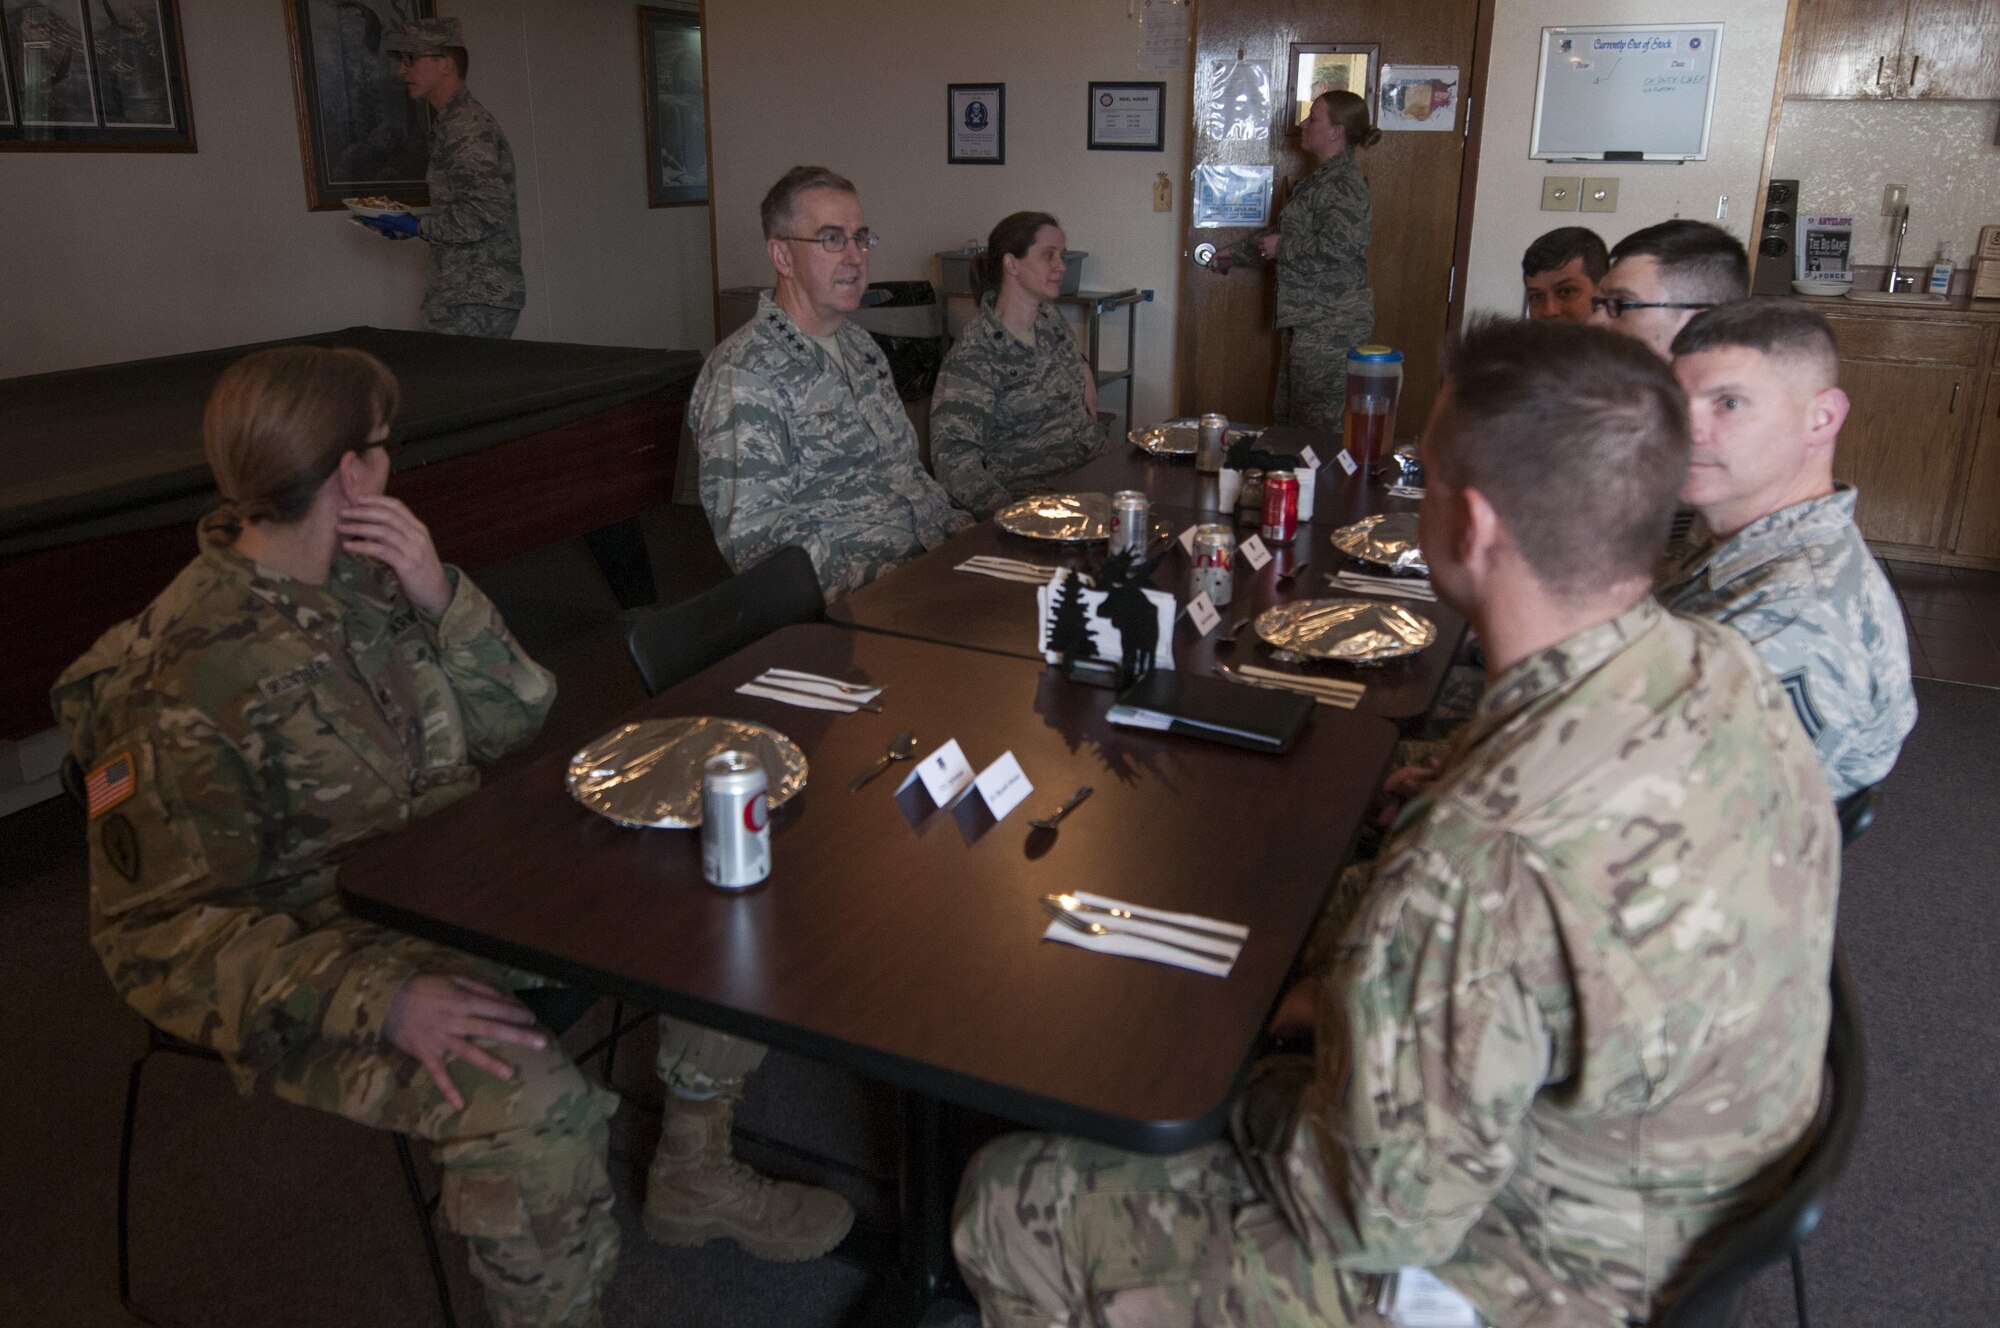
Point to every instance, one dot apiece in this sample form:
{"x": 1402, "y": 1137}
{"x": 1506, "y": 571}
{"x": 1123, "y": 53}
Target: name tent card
{"x": 1202, "y": 613}
{"x": 1253, "y": 552}
{"x": 1187, "y": 541}
{"x": 938, "y": 778}
{"x": 1310, "y": 457}
{"x": 1346, "y": 460}
{"x": 996, "y": 791}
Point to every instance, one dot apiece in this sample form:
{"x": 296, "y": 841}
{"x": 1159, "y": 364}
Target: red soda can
{"x": 1281, "y": 507}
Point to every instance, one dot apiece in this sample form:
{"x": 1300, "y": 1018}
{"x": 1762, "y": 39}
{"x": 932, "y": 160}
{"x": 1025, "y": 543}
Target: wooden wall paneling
{"x": 1228, "y": 347}
{"x": 1951, "y": 50}
{"x": 1848, "y": 48}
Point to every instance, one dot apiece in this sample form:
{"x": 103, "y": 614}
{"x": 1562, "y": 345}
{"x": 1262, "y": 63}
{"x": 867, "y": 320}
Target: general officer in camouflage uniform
{"x": 1547, "y": 1065}
{"x": 1325, "y": 307}
{"x": 1784, "y": 563}
{"x": 476, "y": 288}
{"x": 802, "y": 438}
{"x": 1014, "y": 405}
{"x": 314, "y": 679}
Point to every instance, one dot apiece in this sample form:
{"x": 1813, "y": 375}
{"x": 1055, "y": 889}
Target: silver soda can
{"x": 1211, "y": 443}
{"x": 735, "y": 820}
{"x": 1130, "y": 529}
{"x": 1214, "y": 564}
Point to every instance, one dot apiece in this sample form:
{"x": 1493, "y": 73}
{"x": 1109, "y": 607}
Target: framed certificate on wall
{"x": 1128, "y": 117}
{"x": 976, "y": 124}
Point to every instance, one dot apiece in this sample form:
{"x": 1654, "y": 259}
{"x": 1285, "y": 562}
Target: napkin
{"x": 832, "y": 688}
{"x": 1007, "y": 570}
{"x": 1405, "y": 587}
{"x": 1130, "y": 937}
{"x": 808, "y": 700}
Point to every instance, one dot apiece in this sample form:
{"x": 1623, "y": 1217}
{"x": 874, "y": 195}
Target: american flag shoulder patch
{"x": 109, "y": 785}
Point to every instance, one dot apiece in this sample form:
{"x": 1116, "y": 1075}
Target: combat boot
{"x": 697, "y": 1190}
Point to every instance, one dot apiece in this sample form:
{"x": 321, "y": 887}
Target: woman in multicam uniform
{"x": 1320, "y": 247}
{"x": 316, "y": 678}
{"x": 1014, "y": 405}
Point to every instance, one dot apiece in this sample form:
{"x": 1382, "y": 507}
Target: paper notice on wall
{"x": 1825, "y": 246}
{"x": 1163, "y": 34}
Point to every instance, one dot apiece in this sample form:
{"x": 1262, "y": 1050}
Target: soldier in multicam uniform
{"x": 1545, "y": 1069}
{"x": 1325, "y": 307}
{"x": 1014, "y": 405}
{"x": 1784, "y": 563}
{"x": 476, "y": 287}
{"x": 802, "y": 438}
{"x": 316, "y": 678}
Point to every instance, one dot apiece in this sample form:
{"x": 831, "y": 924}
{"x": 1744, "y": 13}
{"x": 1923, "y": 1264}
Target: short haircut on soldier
{"x": 780, "y": 207}
{"x": 1700, "y": 263}
{"x": 1350, "y": 112}
{"x": 279, "y": 421}
{"x": 1577, "y": 436}
{"x": 1560, "y": 246}
{"x": 1782, "y": 329}
{"x": 461, "y": 59}
{"x": 1012, "y": 238}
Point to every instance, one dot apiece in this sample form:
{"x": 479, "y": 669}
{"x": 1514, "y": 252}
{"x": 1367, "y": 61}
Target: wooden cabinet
{"x": 1946, "y": 50}
{"x": 1979, "y": 524}
{"x": 1914, "y": 384}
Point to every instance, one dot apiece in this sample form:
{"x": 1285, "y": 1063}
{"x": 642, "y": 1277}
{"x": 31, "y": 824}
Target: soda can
{"x": 735, "y": 820}
{"x": 1281, "y": 507}
{"x": 1211, "y": 443}
{"x": 1214, "y": 564}
{"x": 1130, "y": 528}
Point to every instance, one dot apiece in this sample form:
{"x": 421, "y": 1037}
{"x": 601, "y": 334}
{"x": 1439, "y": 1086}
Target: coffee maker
{"x": 1777, "y": 260}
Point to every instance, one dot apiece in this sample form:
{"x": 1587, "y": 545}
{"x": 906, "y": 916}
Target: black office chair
{"x": 1708, "y": 1300}
{"x": 677, "y": 641}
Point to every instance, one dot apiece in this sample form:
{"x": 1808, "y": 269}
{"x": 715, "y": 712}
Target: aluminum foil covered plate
{"x": 649, "y": 773}
{"x": 1388, "y": 539}
{"x": 1068, "y": 517}
{"x": 1177, "y": 438}
{"x": 1353, "y": 631}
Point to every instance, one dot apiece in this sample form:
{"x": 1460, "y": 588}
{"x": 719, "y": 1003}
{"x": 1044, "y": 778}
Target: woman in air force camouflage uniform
{"x": 1320, "y": 247}
{"x": 313, "y": 679}
{"x": 1014, "y": 405}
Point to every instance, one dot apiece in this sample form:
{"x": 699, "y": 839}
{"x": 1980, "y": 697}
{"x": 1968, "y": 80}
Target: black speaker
{"x": 1777, "y": 234}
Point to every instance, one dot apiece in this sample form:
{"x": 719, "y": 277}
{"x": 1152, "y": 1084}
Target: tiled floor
{"x": 1954, "y": 620}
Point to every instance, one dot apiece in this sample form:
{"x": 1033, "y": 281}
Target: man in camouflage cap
{"x": 476, "y": 288}
{"x": 802, "y": 437}
{"x": 1784, "y": 563}
{"x": 1576, "y": 1028}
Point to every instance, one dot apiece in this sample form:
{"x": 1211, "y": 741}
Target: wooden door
{"x": 1979, "y": 528}
{"x": 1951, "y": 50}
{"x": 1901, "y": 447}
{"x": 1848, "y": 48}
{"x": 1228, "y": 348}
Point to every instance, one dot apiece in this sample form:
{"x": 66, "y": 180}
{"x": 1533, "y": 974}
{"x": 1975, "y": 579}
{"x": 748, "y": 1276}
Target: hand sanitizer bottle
{"x": 1941, "y": 270}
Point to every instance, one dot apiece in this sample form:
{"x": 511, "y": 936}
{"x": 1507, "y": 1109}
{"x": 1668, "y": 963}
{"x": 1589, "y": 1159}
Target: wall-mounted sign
{"x": 1128, "y": 117}
{"x": 976, "y": 127}
{"x": 1232, "y": 195}
{"x": 1419, "y": 97}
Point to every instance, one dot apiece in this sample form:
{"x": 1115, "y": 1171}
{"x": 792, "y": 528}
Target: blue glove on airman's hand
{"x": 394, "y": 225}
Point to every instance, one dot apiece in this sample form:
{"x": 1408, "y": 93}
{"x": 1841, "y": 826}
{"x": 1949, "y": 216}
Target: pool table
{"x": 501, "y": 447}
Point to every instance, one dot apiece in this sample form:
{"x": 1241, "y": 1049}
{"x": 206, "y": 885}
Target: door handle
{"x": 1913, "y": 71}
{"x": 1880, "y": 60}
{"x": 1952, "y": 409}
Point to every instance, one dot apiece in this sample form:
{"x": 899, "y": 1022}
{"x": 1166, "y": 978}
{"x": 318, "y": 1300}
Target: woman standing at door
{"x": 1320, "y": 248}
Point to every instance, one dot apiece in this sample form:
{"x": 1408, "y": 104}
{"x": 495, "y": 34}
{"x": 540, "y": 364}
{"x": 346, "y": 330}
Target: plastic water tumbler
{"x": 1374, "y": 382}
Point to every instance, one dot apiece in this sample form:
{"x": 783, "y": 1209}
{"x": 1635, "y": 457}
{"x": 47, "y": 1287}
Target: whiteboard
{"x": 1644, "y": 92}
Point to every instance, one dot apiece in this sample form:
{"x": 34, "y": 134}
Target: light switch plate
{"x": 1600, "y": 195}
{"x": 1559, "y": 193}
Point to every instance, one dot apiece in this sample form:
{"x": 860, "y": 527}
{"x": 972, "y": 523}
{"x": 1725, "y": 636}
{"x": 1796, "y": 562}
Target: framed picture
{"x": 1318, "y": 67}
{"x": 976, "y": 124}
{"x": 359, "y": 131}
{"x": 1128, "y": 117}
{"x": 93, "y": 75}
{"x": 676, "y": 112}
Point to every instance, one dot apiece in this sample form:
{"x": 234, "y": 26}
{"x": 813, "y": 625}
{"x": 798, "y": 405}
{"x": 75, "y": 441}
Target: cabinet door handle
{"x": 1880, "y": 60}
{"x": 1913, "y": 71}
{"x": 1952, "y": 409}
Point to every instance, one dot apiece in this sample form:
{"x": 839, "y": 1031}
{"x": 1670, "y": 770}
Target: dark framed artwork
{"x": 1128, "y": 117}
{"x": 93, "y": 76}
{"x": 976, "y": 124}
{"x": 360, "y": 134}
{"x": 670, "y": 65}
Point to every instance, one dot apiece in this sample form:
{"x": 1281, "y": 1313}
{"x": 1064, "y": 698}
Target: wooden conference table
{"x": 929, "y": 599}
